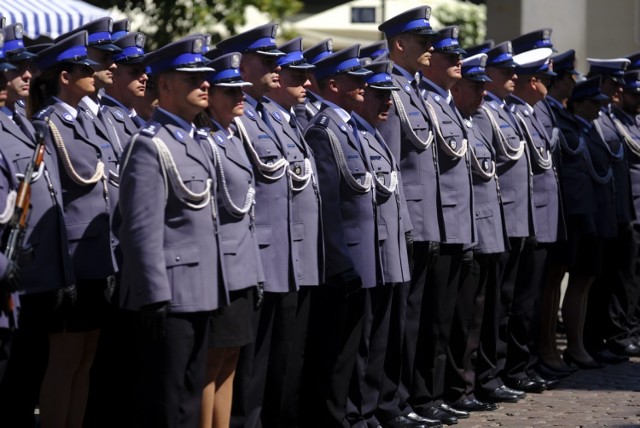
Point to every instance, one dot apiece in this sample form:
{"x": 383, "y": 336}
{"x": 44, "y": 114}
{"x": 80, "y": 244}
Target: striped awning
{"x": 49, "y": 17}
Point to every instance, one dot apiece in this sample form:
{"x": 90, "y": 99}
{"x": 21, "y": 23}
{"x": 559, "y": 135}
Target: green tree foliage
{"x": 471, "y": 18}
{"x": 171, "y": 19}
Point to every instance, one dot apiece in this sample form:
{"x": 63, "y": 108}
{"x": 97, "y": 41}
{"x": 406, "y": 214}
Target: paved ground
{"x": 608, "y": 397}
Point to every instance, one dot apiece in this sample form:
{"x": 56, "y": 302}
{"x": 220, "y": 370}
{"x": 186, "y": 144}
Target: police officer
{"x": 479, "y": 283}
{"x": 513, "y": 171}
{"x": 66, "y": 76}
{"x": 307, "y": 242}
{"x": 45, "y": 267}
{"x": 306, "y": 111}
{"x": 350, "y": 236}
{"x": 457, "y": 226}
{"x": 550, "y": 111}
{"x": 111, "y": 366}
{"x": 408, "y": 133}
{"x": 625, "y": 111}
{"x": 129, "y": 84}
{"x": 274, "y": 230}
{"x": 594, "y": 217}
{"x": 230, "y": 327}
{"x": 606, "y": 314}
{"x": 533, "y": 72}
{"x": 169, "y": 243}
{"x": 380, "y": 354}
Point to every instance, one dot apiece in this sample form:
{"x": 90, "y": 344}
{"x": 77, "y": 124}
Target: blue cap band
{"x": 224, "y": 75}
{"x": 128, "y": 53}
{"x": 349, "y": 64}
{"x": 607, "y": 71}
{"x": 291, "y": 57}
{"x": 265, "y": 42}
{"x": 378, "y": 78}
{"x": 75, "y": 52}
{"x": 418, "y": 24}
{"x": 320, "y": 56}
{"x": 116, "y": 35}
{"x": 179, "y": 61}
{"x": 503, "y": 57}
{"x": 99, "y": 38}
{"x": 13, "y": 45}
{"x": 445, "y": 43}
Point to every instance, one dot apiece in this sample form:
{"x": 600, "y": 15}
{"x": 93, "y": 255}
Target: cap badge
{"x": 235, "y": 61}
{"x": 197, "y": 45}
{"x": 18, "y": 31}
{"x": 139, "y": 40}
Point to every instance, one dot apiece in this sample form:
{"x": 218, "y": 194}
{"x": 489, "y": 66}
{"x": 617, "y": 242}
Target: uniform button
{"x": 268, "y": 151}
{"x": 177, "y": 258}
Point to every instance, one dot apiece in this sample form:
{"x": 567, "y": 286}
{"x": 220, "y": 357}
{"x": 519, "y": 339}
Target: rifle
{"x": 18, "y": 222}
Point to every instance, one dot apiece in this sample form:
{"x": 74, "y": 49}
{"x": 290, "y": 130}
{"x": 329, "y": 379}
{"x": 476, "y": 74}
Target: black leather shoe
{"x": 403, "y": 421}
{"x": 435, "y": 412}
{"x": 580, "y": 364}
{"x": 460, "y": 414}
{"x": 605, "y": 356}
{"x": 527, "y": 385}
{"x": 425, "y": 421}
{"x": 549, "y": 382}
{"x": 474, "y": 405}
{"x": 502, "y": 395}
{"x": 630, "y": 350}
{"x": 517, "y": 392}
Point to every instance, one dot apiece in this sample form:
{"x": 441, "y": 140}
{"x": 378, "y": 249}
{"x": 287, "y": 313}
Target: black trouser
{"x": 367, "y": 378}
{"x": 612, "y": 296}
{"x": 264, "y": 362}
{"x": 171, "y": 373}
{"x": 524, "y": 321}
{"x": 467, "y": 325}
{"x": 492, "y": 352}
{"x": 335, "y": 331}
{"x": 438, "y": 306}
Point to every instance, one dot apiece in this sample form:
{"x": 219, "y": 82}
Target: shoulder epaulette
{"x": 43, "y": 114}
{"x": 323, "y": 120}
{"x": 150, "y": 130}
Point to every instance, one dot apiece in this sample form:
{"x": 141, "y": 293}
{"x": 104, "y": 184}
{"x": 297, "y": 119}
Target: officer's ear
{"x": 64, "y": 78}
{"x": 397, "y": 43}
{"x": 333, "y": 85}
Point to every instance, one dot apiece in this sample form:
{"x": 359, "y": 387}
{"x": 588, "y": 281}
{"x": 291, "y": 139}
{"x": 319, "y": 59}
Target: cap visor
{"x": 194, "y": 69}
{"x": 23, "y": 56}
{"x": 478, "y": 78}
{"x": 505, "y": 64}
{"x": 451, "y": 51}
{"x": 106, "y": 47}
{"x": 305, "y": 66}
{"x": 600, "y": 97}
{"x": 551, "y": 73}
{"x": 383, "y": 87}
{"x": 359, "y": 72}
{"x": 5, "y": 66}
{"x": 131, "y": 61}
{"x": 425, "y": 32}
{"x": 269, "y": 52}
{"x": 86, "y": 61}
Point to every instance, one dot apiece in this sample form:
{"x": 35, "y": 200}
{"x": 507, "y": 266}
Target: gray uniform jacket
{"x": 115, "y": 115}
{"x": 392, "y": 226}
{"x": 306, "y": 207}
{"x": 170, "y": 248}
{"x": 605, "y": 127}
{"x": 273, "y": 203}
{"x": 8, "y": 319}
{"x": 602, "y": 160}
{"x": 86, "y": 205}
{"x": 350, "y": 232}
{"x": 45, "y": 264}
{"x": 491, "y": 231}
{"x": 417, "y": 161}
{"x": 454, "y": 173}
{"x": 632, "y": 154}
{"x": 549, "y": 219}
{"x": 577, "y": 185}
{"x": 305, "y": 112}
{"x": 516, "y": 187}
{"x": 241, "y": 263}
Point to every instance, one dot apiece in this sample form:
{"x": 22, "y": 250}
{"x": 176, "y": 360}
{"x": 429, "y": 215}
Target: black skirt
{"x": 232, "y": 325}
